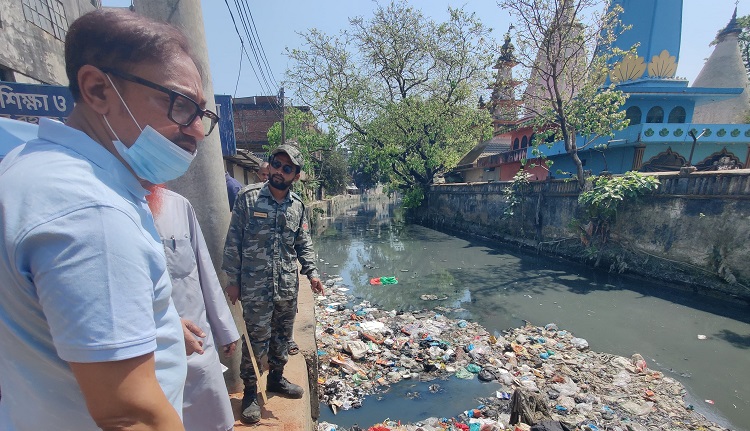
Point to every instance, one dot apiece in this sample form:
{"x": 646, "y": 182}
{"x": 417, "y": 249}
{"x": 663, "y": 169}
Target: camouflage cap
{"x": 291, "y": 151}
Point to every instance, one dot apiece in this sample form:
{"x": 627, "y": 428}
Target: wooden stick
{"x": 261, "y": 385}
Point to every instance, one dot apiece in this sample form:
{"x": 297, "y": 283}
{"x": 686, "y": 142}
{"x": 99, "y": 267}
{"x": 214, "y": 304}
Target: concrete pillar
{"x": 638, "y": 157}
{"x": 203, "y": 184}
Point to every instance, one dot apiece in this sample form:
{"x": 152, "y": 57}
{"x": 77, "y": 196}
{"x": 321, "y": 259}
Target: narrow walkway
{"x": 293, "y": 415}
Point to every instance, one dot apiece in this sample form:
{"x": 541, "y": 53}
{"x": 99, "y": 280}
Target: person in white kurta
{"x": 198, "y": 297}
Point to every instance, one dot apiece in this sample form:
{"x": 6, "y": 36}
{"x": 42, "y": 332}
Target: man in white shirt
{"x": 198, "y": 297}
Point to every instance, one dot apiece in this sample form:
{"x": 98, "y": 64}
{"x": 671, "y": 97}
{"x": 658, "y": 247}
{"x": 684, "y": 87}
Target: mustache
{"x": 187, "y": 143}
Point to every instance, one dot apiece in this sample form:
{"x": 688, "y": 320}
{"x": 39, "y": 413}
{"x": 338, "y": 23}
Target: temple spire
{"x": 503, "y": 105}
{"x": 724, "y": 69}
{"x": 732, "y": 27}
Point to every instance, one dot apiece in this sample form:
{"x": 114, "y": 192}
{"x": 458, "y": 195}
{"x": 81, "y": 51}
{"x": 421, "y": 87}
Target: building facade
{"x": 671, "y": 125}
{"x": 32, "y": 35}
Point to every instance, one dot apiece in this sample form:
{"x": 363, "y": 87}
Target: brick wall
{"x": 253, "y": 117}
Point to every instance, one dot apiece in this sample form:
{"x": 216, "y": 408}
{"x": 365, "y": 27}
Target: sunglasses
{"x": 182, "y": 109}
{"x": 287, "y": 169}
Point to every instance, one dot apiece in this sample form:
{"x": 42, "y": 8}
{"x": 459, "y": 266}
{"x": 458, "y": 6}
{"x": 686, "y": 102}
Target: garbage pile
{"x": 552, "y": 375}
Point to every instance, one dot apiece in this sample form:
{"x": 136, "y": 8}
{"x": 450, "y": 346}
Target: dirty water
{"x": 500, "y": 288}
{"x": 411, "y": 401}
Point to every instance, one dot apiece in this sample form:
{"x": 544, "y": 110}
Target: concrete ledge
{"x": 285, "y": 414}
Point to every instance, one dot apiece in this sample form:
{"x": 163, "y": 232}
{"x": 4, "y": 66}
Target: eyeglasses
{"x": 287, "y": 169}
{"x": 182, "y": 109}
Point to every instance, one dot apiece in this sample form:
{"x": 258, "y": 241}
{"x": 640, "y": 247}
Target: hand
{"x": 316, "y": 285}
{"x": 230, "y": 348}
{"x": 192, "y": 344}
{"x": 233, "y": 291}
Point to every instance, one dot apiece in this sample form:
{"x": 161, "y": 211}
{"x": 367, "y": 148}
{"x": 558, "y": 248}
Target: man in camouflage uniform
{"x": 268, "y": 234}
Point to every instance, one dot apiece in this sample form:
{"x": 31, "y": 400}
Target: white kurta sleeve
{"x": 217, "y": 310}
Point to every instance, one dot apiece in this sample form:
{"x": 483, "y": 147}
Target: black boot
{"x": 279, "y": 384}
{"x": 250, "y": 409}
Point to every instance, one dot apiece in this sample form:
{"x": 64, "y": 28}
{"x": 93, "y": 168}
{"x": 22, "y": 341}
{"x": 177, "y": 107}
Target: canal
{"x": 500, "y": 287}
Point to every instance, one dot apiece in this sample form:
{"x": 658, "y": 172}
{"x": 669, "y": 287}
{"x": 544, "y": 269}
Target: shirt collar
{"x": 81, "y": 143}
{"x": 266, "y": 191}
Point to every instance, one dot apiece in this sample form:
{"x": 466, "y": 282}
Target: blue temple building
{"x": 671, "y": 124}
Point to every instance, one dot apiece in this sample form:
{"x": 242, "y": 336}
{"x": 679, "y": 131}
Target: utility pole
{"x": 283, "y": 117}
{"x": 203, "y": 184}
{"x": 692, "y": 148}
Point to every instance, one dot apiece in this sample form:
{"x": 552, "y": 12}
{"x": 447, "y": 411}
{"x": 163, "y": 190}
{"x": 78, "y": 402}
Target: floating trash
{"x": 362, "y": 350}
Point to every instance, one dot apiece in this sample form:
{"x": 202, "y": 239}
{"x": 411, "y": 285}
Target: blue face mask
{"x": 152, "y": 157}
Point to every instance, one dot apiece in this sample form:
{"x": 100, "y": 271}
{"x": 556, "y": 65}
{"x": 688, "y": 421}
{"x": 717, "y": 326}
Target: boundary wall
{"x": 693, "y": 232}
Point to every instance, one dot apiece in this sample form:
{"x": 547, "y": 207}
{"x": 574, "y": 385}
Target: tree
{"x": 316, "y": 146}
{"x": 744, "y": 23}
{"x": 564, "y": 47}
{"x": 334, "y": 172}
{"x": 401, "y": 89}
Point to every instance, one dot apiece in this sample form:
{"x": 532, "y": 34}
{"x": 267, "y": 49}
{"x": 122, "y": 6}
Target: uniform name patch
{"x": 260, "y": 214}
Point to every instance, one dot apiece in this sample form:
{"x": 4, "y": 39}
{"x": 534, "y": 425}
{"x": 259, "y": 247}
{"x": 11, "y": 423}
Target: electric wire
{"x": 269, "y": 89}
{"x": 241, "y": 8}
{"x": 242, "y": 45}
{"x": 263, "y": 82}
{"x": 257, "y": 43}
{"x": 239, "y": 72}
{"x": 262, "y": 50}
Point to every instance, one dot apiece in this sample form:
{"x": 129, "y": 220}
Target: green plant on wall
{"x": 600, "y": 204}
{"x": 514, "y": 194}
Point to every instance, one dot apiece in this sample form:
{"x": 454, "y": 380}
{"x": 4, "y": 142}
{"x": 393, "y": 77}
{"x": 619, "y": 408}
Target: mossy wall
{"x": 693, "y": 232}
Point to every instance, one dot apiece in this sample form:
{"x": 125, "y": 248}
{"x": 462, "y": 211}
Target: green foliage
{"x": 601, "y": 202}
{"x": 413, "y": 198}
{"x": 515, "y": 193}
{"x": 400, "y": 88}
{"x": 556, "y": 43}
{"x": 413, "y": 140}
{"x": 334, "y": 172}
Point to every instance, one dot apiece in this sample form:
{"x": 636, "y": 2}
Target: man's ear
{"x": 94, "y": 84}
{"x": 296, "y": 177}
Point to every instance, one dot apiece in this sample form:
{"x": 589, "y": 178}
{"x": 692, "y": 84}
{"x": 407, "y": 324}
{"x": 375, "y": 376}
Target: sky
{"x": 278, "y": 23}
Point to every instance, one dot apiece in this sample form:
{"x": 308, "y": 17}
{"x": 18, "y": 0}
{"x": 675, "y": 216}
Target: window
{"x": 677, "y": 115}
{"x": 655, "y": 115}
{"x": 524, "y": 142}
{"x": 515, "y": 144}
{"x": 5, "y": 75}
{"x": 48, "y": 15}
{"x": 634, "y": 115}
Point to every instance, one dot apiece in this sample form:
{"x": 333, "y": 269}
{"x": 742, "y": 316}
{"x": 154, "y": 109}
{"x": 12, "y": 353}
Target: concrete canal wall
{"x": 322, "y": 213}
{"x": 693, "y": 232}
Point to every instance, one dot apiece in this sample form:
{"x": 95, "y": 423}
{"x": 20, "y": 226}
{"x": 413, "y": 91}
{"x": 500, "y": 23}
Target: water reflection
{"x": 500, "y": 287}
